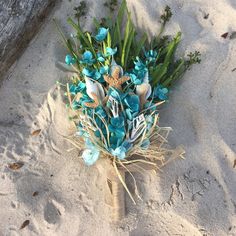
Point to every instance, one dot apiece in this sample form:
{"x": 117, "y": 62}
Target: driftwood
{"x": 19, "y": 22}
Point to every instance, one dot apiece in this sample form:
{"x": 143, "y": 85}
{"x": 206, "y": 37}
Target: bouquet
{"x": 120, "y": 79}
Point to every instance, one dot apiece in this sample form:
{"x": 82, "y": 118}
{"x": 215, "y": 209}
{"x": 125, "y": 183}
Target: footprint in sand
{"x": 53, "y": 211}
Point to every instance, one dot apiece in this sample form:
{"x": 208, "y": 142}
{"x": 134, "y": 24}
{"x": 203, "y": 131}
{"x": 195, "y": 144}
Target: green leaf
{"x": 169, "y": 58}
{"x": 81, "y": 35}
{"x": 122, "y": 9}
{"x": 108, "y": 39}
{"x": 89, "y": 38}
{"x": 126, "y": 37}
{"x": 96, "y": 23}
{"x": 62, "y": 35}
{"x": 117, "y": 31}
{"x": 176, "y": 73}
{"x": 141, "y": 43}
{"x": 129, "y": 43}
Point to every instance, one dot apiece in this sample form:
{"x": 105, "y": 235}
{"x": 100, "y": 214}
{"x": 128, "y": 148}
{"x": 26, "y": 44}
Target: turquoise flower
{"x": 116, "y": 94}
{"x": 151, "y": 55}
{"x": 88, "y": 73}
{"x": 87, "y": 58}
{"x": 117, "y": 129}
{"x": 139, "y": 65}
{"x": 138, "y": 74}
{"x": 149, "y": 120}
{"x": 150, "y": 106}
{"x": 69, "y": 60}
{"x": 74, "y": 89}
{"x": 127, "y": 145}
{"x": 100, "y": 112}
{"x": 110, "y": 51}
{"x": 160, "y": 92}
{"x": 119, "y": 152}
{"x": 102, "y": 34}
{"x": 100, "y": 58}
{"x": 104, "y": 70}
{"x": 137, "y": 80}
{"x": 98, "y": 75}
{"x": 132, "y": 102}
{"x": 117, "y": 126}
{"x": 129, "y": 114}
{"x": 90, "y": 156}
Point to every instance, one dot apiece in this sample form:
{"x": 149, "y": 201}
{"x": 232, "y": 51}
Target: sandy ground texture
{"x": 53, "y": 193}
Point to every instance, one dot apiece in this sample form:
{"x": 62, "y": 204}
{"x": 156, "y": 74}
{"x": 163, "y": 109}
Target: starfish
{"x": 93, "y": 104}
{"x": 115, "y": 80}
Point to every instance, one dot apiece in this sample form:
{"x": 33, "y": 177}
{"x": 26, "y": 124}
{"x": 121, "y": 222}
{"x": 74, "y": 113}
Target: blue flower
{"x": 74, "y": 89}
{"x": 100, "y": 112}
{"x": 117, "y": 126}
{"x": 110, "y": 51}
{"x": 90, "y": 156}
{"x": 138, "y": 73}
{"x": 132, "y": 102}
{"x": 160, "y": 92}
{"x": 149, "y": 120}
{"x": 117, "y": 129}
{"x": 127, "y": 145}
{"x": 104, "y": 70}
{"x": 118, "y": 121}
{"x": 150, "y": 106}
{"x": 129, "y": 113}
{"x": 100, "y": 58}
{"x": 97, "y": 75}
{"x": 87, "y": 58}
{"x": 139, "y": 65}
{"x": 88, "y": 73}
{"x": 116, "y": 94}
{"x": 102, "y": 34}
{"x": 151, "y": 55}
{"x": 119, "y": 152}
{"x": 137, "y": 80}
{"x": 69, "y": 60}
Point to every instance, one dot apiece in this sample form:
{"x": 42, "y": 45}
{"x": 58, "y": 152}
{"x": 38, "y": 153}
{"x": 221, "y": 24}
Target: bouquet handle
{"x": 118, "y": 197}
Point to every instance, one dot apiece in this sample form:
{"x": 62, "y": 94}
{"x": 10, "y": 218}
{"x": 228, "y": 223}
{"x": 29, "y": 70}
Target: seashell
{"x": 144, "y": 90}
{"x": 114, "y": 65}
{"x": 94, "y": 88}
{"x": 93, "y": 104}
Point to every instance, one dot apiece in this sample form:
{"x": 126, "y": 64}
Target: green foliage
{"x": 165, "y": 17}
{"x": 165, "y": 70}
{"x": 111, "y": 5}
{"x": 81, "y": 10}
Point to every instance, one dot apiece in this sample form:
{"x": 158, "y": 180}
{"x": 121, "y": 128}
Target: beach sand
{"x": 59, "y": 195}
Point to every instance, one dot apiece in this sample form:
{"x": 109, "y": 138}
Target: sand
{"x": 61, "y": 196}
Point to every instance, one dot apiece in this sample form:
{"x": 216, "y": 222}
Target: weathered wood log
{"x": 19, "y": 22}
